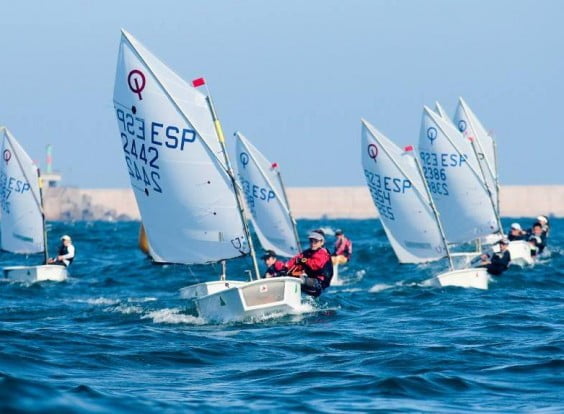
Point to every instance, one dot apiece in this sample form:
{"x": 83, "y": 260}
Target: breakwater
{"x": 68, "y": 203}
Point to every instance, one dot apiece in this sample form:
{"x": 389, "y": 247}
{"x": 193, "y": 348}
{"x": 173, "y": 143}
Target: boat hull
{"x": 477, "y": 278}
{"x": 229, "y": 301}
{"x": 54, "y": 273}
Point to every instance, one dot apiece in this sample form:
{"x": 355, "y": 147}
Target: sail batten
{"x": 183, "y": 190}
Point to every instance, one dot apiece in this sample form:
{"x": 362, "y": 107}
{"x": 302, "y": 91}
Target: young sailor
{"x": 499, "y": 262}
{"x": 66, "y": 252}
{"x": 516, "y": 232}
{"x": 538, "y": 231}
{"x": 274, "y": 266}
{"x": 313, "y": 265}
{"x": 343, "y": 249}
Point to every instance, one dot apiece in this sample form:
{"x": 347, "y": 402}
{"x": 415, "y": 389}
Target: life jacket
{"x": 343, "y": 247}
{"x": 318, "y": 265}
{"x": 63, "y": 251}
{"x": 278, "y": 268}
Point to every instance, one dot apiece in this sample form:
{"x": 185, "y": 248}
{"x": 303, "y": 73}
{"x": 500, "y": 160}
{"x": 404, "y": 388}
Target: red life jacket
{"x": 318, "y": 264}
{"x": 343, "y": 247}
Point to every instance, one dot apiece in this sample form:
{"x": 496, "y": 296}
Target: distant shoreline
{"x": 67, "y": 203}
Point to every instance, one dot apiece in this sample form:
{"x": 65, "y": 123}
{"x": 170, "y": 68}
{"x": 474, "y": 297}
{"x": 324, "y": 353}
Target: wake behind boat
{"x": 180, "y": 172}
{"x": 23, "y": 219}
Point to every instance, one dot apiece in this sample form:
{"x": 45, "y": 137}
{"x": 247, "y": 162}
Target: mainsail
{"x": 398, "y": 191}
{"x": 470, "y": 127}
{"x": 20, "y": 197}
{"x": 455, "y": 181}
{"x": 184, "y": 193}
{"x": 265, "y": 199}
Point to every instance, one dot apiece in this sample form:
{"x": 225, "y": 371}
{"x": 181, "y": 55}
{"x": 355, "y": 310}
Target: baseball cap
{"x": 316, "y": 235}
{"x": 66, "y": 237}
{"x": 268, "y": 254}
{"x": 338, "y": 232}
{"x": 504, "y": 241}
{"x": 542, "y": 218}
{"x": 516, "y": 226}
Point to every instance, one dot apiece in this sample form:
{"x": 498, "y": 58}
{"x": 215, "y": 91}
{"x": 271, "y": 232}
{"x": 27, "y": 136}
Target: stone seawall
{"x": 65, "y": 203}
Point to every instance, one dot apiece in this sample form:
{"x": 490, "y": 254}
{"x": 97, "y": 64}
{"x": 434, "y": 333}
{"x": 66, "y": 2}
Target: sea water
{"x": 117, "y": 337}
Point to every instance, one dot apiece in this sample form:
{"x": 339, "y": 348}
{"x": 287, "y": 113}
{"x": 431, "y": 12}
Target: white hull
{"x": 55, "y": 273}
{"x": 228, "y": 301}
{"x": 520, "y": 252}
{"x": 467, "y": 278}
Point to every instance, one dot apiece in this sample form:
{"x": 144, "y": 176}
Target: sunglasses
{"x": 314, "y": 241}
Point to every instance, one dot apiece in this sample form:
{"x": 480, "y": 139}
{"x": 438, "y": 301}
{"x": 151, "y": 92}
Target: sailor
{"x": 66, "y": 253}
{"x": 534, "y": 242}
{"x": 538, "y": 231}
{"x": 516, "y": 232}
{"x": 343, "y": 249}
{"x": 543, "y": 221}
{"x": 313, "y": 265}
{"x": 274, "y": 266}
{"x": 499, "y": 262}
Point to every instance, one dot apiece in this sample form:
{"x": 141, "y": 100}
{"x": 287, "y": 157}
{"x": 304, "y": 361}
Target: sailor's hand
{"x": 303, "y": 260}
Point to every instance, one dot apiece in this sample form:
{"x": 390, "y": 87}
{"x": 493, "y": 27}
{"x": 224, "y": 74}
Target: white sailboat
{"x": 484, "y": 151}
{"x": 184, "y": 185}
{"x": 266, "y": 199}
{"x": 407, "y": 210}
{"x": 23, "y": 219}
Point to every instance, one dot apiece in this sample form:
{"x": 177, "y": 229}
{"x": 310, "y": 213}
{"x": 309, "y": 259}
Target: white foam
{"x": 172, "y": 316}
{"x": 379, "y": 287}
{"x": 141, "y": 300}
{"x": 101, "y": 301}
{"x": 124, "y": 309}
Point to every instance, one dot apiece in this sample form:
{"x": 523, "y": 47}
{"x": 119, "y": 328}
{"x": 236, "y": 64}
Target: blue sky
{"x": 294, "y": 76}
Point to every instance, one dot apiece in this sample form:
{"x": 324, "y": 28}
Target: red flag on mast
{"x": 198, "y": 82}
{"x": 408, "y": 148}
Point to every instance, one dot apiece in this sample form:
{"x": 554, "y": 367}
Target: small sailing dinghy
{"x": 23, "y": 219}
{"x": 180, "y": 172}
{"x": 484, "y": 152}
{"x": 407, "y": 210}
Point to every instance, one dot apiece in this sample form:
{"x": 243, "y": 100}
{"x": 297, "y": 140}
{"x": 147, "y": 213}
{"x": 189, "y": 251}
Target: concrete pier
{"x": 65, "y": 203}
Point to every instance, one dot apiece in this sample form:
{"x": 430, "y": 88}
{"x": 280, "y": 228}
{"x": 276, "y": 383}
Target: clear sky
{"x": 294, "y": 76}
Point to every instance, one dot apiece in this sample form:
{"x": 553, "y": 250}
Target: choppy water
{"x": 117, "y": 338}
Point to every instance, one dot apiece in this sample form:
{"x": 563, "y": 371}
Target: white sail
{"x": 22, "y": 220}
{"x": 471, "y": 127}
{"x": 265, "y": 199}
{"x": 398, "y": 192}
{"x": 183, "y": 191}
{"x": 440, "y": 110}
{"x": 454, "y": 179}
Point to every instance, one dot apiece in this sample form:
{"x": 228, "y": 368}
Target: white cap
{"x": 316, "y": 235}
{"x": 66, "y": 237}
{"x": 516, "y": 226}
{"x": 542, "y": 218}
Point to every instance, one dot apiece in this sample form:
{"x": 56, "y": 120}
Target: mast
{"x": 496, "y": 178}
{"x": 435, "y": 213}
{"x": 294, "y": 225}
{"x": 45, "y": 251}
{"x": 241, "y": 208}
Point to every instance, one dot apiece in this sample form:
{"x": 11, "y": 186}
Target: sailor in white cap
{"x": 516, "y": 232}
{"x": 65, "y": 255}
{"x": 313, "y": 265}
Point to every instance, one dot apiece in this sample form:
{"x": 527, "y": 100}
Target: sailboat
{"x": 407, "y": 210}
{"x": 186, "y": 191}
{"x": 484, "y": 150}
{"x": 266, "y": 199}
{"x": 23, "y": 219}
